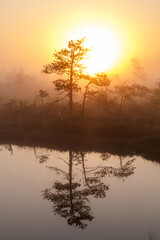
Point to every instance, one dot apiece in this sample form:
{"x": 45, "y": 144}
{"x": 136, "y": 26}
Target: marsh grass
{"x": 102, "y": 129}
{"x": 152, "y": 235}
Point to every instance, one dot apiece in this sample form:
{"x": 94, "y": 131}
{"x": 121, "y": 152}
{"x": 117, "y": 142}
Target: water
{"x": 47, "y": 194}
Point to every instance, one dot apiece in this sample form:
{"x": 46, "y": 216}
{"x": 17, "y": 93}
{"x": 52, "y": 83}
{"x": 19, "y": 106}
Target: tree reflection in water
{"x": 41, "y": 157}
{"x": 125, "y": 170}
{"x": 70, "y": 199}
{"x": 9, "y": 148}
{"x": 122, "y": 172}
{"x": 93, "y": 183}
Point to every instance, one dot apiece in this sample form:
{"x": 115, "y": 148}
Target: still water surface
{"x": 47, "y": 194}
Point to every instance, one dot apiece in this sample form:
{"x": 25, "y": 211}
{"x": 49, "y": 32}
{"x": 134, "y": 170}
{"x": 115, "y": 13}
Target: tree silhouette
{"x": 125, "y": 170}
{"x": 20, "y": 77}
{"x": 155, "y": 98}
{"x": 122, "y": 172}
{"x": 41, "y": 157}
{"x": 68, "y": 61}
{"x": 129, "y": 92}
{"x": 42, "y": 94}
{"x": 9, "y": 148}
{"x": 93, "y": 184}
{"x": 138, "y": 70}
{"x": 69, "y": 200}
{"x": 99, "y": 80}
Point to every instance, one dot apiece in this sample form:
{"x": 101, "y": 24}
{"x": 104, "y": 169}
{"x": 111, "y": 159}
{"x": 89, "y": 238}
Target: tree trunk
{"x": 121, "y": 104}
{"x": 84, "y": 101}
{"x": 70, "y": 182}
{"x": 35, "y": 100}
{"x": 71, "y": 90}
{"x": 84, "y": 170}
{"x": 120, "y": 158}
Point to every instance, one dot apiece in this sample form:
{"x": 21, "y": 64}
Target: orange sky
{"x": 32, "y": 29}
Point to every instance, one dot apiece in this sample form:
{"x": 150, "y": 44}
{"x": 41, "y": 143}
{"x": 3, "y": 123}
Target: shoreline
{"x": 147, "y": 147}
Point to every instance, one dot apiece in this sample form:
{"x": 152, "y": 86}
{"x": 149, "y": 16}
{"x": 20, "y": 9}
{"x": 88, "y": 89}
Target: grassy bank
{"x": 49, "y": 125}
{"x": 144, "y": 145}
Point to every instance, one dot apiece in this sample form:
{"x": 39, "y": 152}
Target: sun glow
{"x": 105, "y": 46}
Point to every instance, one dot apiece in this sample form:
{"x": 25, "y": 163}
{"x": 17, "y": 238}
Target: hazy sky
{"x": 32, "y": 29}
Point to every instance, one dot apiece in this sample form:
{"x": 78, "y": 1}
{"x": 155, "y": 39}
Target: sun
{"x": 105, "y": 48}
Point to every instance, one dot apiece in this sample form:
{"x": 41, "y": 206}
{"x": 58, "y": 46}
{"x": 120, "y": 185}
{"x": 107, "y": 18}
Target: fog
{"x": 17, "y": 84}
